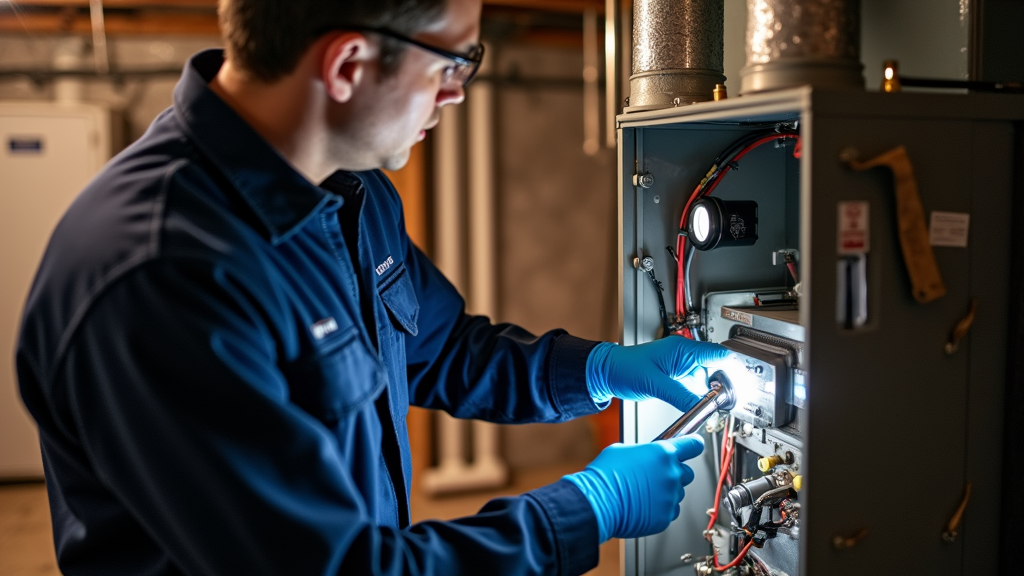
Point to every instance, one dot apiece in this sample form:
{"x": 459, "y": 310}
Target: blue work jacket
{"x": 221, "y": 355}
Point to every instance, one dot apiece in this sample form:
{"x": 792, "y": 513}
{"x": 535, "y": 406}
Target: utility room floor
{"x": 26, "y": 542}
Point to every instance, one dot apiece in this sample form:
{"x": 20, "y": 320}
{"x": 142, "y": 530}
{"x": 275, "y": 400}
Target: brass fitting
{"x": 768, "y": 462}
{"x": 891, "y": 76}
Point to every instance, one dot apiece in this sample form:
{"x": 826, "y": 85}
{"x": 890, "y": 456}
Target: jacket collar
{"x": 281, "y": 198}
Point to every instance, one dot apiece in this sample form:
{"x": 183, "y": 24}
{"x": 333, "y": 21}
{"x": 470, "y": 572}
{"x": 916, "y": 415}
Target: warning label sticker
{"x": 854, "y": 228}
{"x": 949, "y": 229}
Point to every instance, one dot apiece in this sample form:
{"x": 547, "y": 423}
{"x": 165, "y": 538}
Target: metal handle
{"x": 962, "y": 328}
{"x": 720, "y": 397}
{"x": 950, "y": 533}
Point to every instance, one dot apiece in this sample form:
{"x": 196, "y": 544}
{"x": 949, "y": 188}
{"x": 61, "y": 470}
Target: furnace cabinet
{"x": 890, "y": 422}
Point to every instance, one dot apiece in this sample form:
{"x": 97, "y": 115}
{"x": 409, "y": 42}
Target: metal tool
{"x": 720, "y": 397}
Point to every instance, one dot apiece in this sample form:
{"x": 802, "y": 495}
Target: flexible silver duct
{"x": 677, "y": 52}
{"x": 795, "y": 42}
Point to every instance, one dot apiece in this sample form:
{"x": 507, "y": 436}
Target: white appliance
{"x": 48, "y": 153}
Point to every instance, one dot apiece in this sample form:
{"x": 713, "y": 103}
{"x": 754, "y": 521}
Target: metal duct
{"x": 796, "y": 42}
{"x": 677, "y": 52}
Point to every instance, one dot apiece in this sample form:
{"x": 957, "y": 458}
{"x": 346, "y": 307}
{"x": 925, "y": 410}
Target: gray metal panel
{"x": 886, "y": 407}
{"x": 627, "y": 280}
{"x": 991, "y": 246}
{"x": 838, "y": 103}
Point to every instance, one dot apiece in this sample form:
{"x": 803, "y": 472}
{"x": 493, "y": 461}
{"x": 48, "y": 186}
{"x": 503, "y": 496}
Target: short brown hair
{"x": 268, "y": 37}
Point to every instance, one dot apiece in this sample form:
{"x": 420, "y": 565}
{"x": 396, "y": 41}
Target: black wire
{"x": 724, "y": 159}
{"x": 666, "y": 326}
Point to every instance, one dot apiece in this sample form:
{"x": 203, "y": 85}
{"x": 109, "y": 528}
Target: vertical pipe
{"x": 67, "y": 55}
{"x": 448, "y": 194}
{"x": 796, "y": 42}
{"x": 678, "y": 52}
{"x": 613, "y": 89}
{"x": 483, "y": 252}
{"x": 99, "y": 37}
{"x": 591, "y": 95}
{"x": 449, "y": 239}
{"x": 482, "y": 237}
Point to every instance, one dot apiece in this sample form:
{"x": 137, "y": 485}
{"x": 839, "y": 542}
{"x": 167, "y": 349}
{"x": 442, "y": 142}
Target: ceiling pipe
{"x": 678, "y": 52}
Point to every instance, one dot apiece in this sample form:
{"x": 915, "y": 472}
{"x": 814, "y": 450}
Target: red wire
{"x": 727, "y": 449}
{"x": 721, "y": 478}
{"x": 735, "y": 561}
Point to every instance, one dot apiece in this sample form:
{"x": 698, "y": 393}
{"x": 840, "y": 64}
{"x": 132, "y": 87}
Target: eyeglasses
{"x": 465, "y": 67}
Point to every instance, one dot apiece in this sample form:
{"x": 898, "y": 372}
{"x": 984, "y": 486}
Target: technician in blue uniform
{"x": 230, "y": 323}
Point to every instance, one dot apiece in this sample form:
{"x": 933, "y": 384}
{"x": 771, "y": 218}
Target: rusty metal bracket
{"x": 950, "y": 534}
{"x": 918, "y": 256}
{"x": 962, "y": 328}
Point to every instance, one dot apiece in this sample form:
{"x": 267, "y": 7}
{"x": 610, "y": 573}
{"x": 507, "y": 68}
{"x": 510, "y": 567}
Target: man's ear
{"x": 344, "y": 64}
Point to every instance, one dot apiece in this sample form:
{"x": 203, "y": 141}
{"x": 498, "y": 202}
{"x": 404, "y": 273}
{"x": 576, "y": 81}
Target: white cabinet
{"x": 48, "y": 153}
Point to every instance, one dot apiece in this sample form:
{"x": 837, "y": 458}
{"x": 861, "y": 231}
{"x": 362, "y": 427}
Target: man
{"x": 230, "y": 323}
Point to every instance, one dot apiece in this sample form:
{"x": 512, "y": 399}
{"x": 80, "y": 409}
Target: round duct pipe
{"x": 797, "y": 42}
{"x": 678, "y": 50}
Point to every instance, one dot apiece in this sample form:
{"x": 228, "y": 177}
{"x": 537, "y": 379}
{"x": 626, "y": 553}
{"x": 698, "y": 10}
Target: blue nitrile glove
{"x": 636, "y": 490}
{"x": 651, "y": 370}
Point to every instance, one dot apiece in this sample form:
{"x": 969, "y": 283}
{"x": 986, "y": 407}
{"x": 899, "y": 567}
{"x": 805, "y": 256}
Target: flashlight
{"x": 717, "y": 223}
{"x": 720, "y": 397}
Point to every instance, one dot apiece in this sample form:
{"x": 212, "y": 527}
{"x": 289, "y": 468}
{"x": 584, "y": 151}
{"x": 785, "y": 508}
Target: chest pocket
{"x": 399, "y": 298}
{"x": 337, "y": 381}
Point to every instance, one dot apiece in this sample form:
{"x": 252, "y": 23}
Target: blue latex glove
{"x": 652, "y": 370}
{"x": 636, "y": 490}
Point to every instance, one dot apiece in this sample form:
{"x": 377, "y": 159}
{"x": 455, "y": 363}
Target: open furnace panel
{"x": 865, "y": 423}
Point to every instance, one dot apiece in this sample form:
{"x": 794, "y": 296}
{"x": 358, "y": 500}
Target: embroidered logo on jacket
{"x": 322, "y": 328}
{"x": 385, "y": 265}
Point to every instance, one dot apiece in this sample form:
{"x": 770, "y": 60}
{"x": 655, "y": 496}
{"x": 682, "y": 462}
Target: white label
{"x": 737, "y": 316}
{"x": 385, "y": 265}
{"x": 854, "y": 228}
{"x": 949, "y": 229}
{"x": 323, "y": 327}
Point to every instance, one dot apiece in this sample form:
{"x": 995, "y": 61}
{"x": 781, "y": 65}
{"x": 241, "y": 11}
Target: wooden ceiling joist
{"x": 119, "y": 4}
{"x": 551, "y": 5}
{"x": 179, "y": 17}
{"x": 117, "y": 24}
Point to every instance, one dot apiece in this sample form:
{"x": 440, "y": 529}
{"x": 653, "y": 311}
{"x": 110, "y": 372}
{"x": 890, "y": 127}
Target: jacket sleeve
{"x": 471, "y": 368}
{"x": 185, "y": 416}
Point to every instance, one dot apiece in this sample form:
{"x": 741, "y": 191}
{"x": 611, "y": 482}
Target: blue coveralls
{"x": 221, "y": 356}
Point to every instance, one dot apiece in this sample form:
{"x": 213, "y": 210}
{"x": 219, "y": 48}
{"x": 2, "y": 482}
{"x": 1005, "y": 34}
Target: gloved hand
{"x": 636, "y": 490}
{"x": 651, "y": 370}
